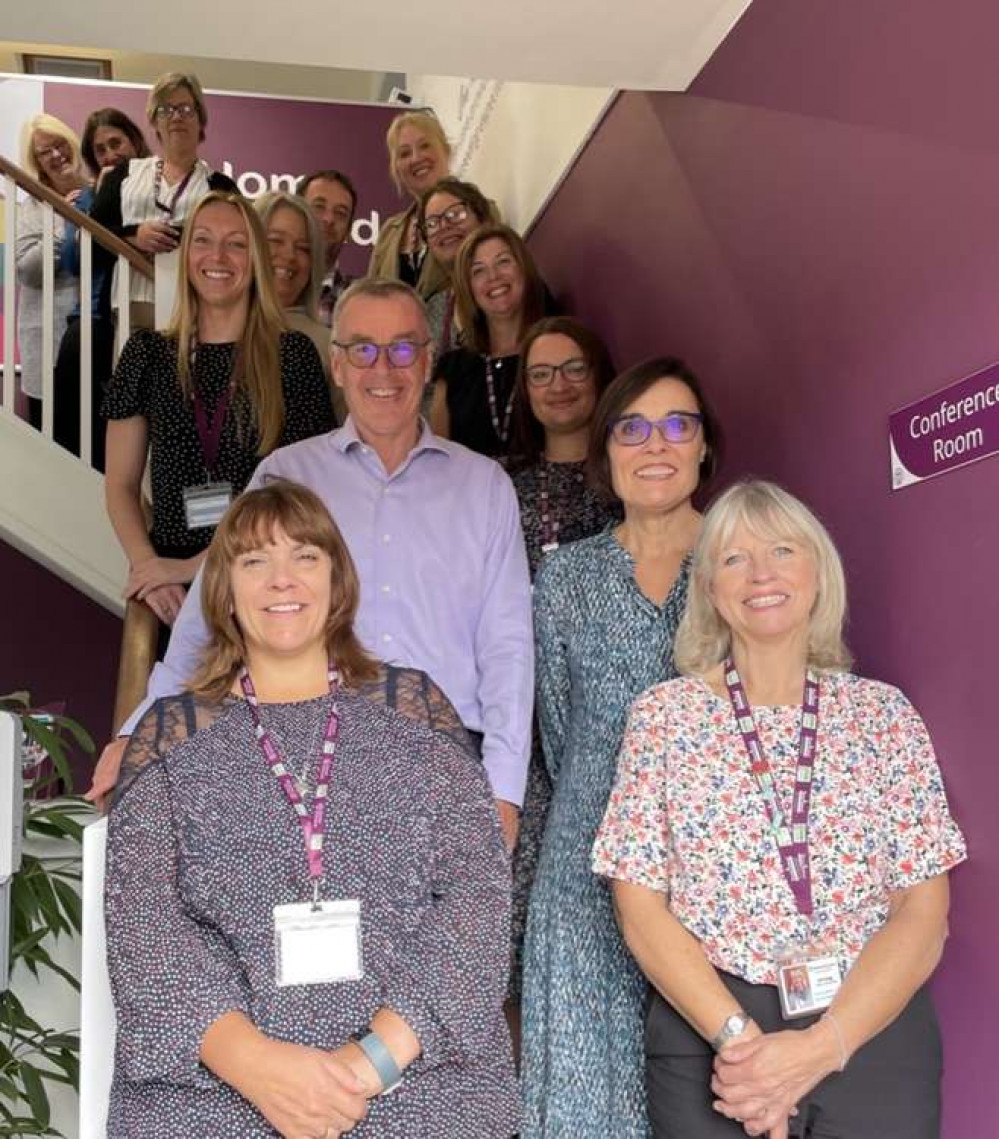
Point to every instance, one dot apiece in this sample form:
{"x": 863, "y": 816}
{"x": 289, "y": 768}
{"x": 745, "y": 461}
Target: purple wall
{"x": 58, "y": 645}
{"x": 816, "y": 229}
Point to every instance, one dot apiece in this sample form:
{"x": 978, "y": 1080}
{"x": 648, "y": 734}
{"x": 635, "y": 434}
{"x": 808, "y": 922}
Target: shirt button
{"x": 386, "y": 538}
{"x": 386, "y": 637}
{"x": 386, "y": 589}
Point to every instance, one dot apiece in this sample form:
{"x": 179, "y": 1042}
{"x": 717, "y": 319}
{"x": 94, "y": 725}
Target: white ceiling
{"x": 644, "y": 44}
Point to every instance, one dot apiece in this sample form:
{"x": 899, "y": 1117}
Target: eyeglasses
{"x": 575, "y": 371}
{"x": 365, "y": 353}
{"x": 453, "y": 215}
{"x": 677, "y": 427}
{"x": 48, "y": 152}
{"x": 175, "y": 110}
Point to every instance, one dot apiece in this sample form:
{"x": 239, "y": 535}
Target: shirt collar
{"x": 346, "y": 438}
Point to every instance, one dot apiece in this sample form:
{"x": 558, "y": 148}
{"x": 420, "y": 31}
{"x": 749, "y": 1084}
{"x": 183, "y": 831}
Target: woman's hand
{"x": 151, "y": 573}
{"x": 155, "y": 237}
{"x": 304, "y": 1093}
{"x": 106, "y": 774}
{"x": 759, "y": 1082}
{"x": 166, "y": 601}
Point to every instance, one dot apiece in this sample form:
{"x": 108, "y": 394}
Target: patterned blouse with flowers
{"x": 686, "y": 818}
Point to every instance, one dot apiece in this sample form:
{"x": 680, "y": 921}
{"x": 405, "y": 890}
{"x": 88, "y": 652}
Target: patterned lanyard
{"x": 502, "y": 430}
{"x": 792, "y": 841}
{"x": 314, "y": 828}
{"x": 169, "y": 207}
{"x": 548, "y": 507}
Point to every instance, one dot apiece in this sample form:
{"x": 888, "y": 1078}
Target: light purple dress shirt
{"x": 444, "y": 582}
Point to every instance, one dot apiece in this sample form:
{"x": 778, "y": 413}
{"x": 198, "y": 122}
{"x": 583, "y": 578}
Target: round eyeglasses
{"x": 453, "y": 215}
{"x": 676, "y": 427}
{"x": 399, "y": 353}
{"x": 575, "y": 371}
{"x": 175, "y": 110}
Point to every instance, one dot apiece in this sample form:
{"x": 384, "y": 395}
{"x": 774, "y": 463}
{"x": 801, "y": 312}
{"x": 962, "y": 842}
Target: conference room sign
{"x": 955, "y": 426}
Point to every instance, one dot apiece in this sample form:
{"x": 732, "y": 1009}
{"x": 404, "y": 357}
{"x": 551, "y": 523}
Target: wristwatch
{"x": 734, "y": 1026}
{"x": 388, "y": 1070}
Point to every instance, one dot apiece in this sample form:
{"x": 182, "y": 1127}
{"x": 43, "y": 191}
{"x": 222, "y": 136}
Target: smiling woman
{"x": 223, "y": 387}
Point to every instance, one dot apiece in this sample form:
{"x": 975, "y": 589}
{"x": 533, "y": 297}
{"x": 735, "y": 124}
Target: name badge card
{"x": 807, "y": 984}
{"x": 317, "y": 944}
{"x": 205, "y": 505}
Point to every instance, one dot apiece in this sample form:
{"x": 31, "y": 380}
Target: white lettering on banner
{"x": 949, "y": 412}
{"x": 250, "y": 184}
{"x": 961, "y": 445}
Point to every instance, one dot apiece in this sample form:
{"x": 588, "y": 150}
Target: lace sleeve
{"x": 412, "y": 693}
{"x": 168, "y": 723}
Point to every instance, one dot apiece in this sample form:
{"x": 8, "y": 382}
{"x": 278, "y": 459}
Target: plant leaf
{"x": 35, "y": 1094}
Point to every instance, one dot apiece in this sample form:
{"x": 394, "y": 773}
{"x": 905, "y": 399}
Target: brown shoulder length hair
{"x": 248, "y": 524}
{"x": 470, "y": 316}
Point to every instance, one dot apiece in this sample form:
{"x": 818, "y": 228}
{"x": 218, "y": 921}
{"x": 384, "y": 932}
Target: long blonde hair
{"x": 259, "y": 381}
{"x": 703, "y": 639}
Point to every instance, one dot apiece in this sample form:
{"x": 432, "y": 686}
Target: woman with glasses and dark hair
{"x": 448, "y": 213}
{"x": 146, "y": 200}
{"x": 499, "y": 294}
{"x": 564, "y": 369}
{"x": 606, "y": 611}
{"x": 225, "y": 385}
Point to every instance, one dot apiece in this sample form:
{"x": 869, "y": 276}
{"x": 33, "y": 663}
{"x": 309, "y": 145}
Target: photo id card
{"x": 317, "y": 945}
{"x": 205, "y": 505}
{"x": 807, "y": 985}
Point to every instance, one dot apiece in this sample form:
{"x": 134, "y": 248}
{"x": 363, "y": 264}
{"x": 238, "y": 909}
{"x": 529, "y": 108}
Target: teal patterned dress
{"x": 600, "y": 643}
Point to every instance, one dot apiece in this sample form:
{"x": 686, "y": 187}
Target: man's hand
{"x": 509, "y": 816}
{"x": 106, "y": 773}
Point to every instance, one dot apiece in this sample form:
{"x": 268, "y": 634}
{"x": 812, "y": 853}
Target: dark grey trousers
{"x": 890, "y": 1089}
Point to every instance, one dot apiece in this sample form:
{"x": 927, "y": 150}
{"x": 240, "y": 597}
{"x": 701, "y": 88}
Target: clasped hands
{"x": 759, "y": 1079}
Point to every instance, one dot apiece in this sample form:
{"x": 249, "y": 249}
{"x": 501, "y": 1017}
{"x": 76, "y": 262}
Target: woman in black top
{"x": 225, "y": 385}
{"x": 499, "y": 296}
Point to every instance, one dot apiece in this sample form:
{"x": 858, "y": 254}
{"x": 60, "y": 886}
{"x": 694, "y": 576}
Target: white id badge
{"x": 807, "y": 984}
{"x": 205, "y": 505}
{"x": 317, "y": 946}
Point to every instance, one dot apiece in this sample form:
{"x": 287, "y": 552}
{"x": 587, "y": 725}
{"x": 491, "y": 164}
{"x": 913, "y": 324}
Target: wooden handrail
{"x": 104, "y": 236}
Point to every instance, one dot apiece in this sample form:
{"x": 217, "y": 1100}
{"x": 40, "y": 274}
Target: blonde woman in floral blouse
{"x": 778, "y": 841}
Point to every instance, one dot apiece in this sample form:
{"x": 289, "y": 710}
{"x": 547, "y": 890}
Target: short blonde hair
{"x": 266, "y": 206}
{"x": 703, "y": 639}
{"x": 51, "y": 125}
{"x": 165, "y": 86}
{"x": 425, "y": 121}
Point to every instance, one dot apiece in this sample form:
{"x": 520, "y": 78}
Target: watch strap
{"x": 388, "y": 1070}
{"x": 735, "y": 1025}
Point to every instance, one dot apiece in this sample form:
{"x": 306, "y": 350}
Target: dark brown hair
{"x": 472, "y": 318}
{"x": 110, "y": 117}
{"x": 466, "y": 192}
{"x": 625, "y": 389}
{"x": 330, "y": 176}
{"x": 527, "y": 436}
{"x": 249, "y": 523}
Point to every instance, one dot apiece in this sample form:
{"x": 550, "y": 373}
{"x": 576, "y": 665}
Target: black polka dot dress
{"x": 145, "y": 384}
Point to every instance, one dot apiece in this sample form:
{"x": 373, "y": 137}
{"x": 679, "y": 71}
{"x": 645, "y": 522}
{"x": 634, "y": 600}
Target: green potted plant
{"x": 45, "y": 904}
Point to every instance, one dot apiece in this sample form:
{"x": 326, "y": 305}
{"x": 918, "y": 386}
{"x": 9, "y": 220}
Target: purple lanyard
{"x": 314, "y": 828}
{"x": 210, "y": 427}
{"x": 502, "y": 430}
{"x": 169, "y": 208}
{"x": 792, "y": 841}
{"x": 548, "y": 510}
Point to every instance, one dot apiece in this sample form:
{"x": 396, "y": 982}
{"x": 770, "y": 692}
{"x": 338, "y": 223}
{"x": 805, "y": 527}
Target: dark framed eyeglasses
{"x": 47, "y": 152}
{"x": 676, "y": 427}
{"x": 453, "y": 215}
{"x": 575, "y": 371}
{"x": 175, "y": 111}
{"x": 399, "y": 353}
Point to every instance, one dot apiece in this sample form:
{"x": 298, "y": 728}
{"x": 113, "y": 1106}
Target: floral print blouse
{"x": 686, "y": 817}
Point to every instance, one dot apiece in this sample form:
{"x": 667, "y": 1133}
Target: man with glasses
{"x": 333, "y": 199}
{"x": 434, "y": 532}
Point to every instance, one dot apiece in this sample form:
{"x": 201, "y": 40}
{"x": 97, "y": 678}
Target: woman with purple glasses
{"x": 606, "y": 610}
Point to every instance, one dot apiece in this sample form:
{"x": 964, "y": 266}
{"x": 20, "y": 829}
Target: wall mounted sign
{"x": 955, "y": 426}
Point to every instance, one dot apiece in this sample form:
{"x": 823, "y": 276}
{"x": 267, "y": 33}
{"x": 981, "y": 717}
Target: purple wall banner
{"x": 955, "y": 426}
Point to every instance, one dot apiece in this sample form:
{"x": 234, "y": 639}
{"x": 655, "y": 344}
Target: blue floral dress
{"x": 600, "y": 643}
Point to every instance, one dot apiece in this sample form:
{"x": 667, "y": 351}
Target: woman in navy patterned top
{"x": 242, "y": 1009}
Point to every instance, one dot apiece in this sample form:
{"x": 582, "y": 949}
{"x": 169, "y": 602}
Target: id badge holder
{"x": 317, "y": 943}
{"x": 205, "y": 505}
{"x": 808, "y": 978}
